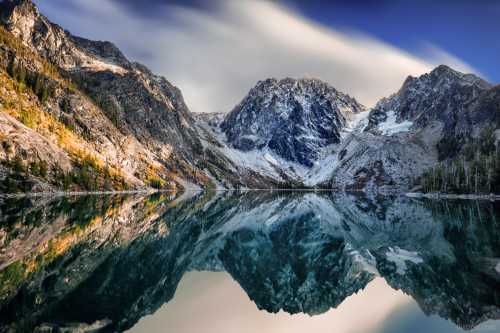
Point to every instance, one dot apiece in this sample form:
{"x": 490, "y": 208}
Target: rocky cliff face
{"x": 119, "y": 112}
{"x": 293, "y": 118}
{"x": 135, "y": 121}
{"x": 378, "y": 163}
{"x": 442, "y": 96}
{"x": 430, "y": 120}
{"x": 315, "y": 135}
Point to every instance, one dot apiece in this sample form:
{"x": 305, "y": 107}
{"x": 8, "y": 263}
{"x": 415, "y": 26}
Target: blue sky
{"x": 467, "y": 29}
{"x": 215, "y": 51}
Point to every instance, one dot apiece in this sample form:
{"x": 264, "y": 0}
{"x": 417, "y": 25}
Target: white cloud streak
{"x": 216, "y": 57}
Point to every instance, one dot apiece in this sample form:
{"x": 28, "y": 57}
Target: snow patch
{"x": 268, "y": 157}
{"x": 322, "y": 170}
{"x": 400, "y": 257}
{"x": 101, "y": 66}
{"x": 497, "y": 268}
{"x": 255, "y": 160}
{"x": 250, "y": 137}
{"x": 390, "y": 126}
{"x": 366, "y": 263}
{"x": 357, "y": 123}
{"x": 96, "y": 64}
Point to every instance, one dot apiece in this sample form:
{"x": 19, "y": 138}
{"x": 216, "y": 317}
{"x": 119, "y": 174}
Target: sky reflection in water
{"x": 214, "y": 303}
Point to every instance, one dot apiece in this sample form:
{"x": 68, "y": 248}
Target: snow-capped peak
{"x": 294, "y": 119}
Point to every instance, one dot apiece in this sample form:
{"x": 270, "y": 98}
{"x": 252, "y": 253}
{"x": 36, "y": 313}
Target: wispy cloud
{"x": 216, "y": 56}
{"x": 435, "y": 54}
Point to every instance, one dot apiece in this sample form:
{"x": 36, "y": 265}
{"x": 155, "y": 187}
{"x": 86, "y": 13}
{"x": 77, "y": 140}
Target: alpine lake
{"x": 251, "y": 261}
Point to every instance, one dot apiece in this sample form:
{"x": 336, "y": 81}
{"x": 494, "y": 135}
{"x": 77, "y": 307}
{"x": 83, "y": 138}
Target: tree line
{"x": 34, "y": 81}
{"x": 476, "y": 169}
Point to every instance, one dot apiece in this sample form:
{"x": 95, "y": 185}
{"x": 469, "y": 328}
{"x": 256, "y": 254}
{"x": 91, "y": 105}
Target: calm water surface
{"x": 249, "y": 262}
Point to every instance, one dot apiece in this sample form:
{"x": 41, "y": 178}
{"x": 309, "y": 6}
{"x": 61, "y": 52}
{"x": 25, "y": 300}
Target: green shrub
{"x": 36, "y": 82}
{"x": 18, "y": 165}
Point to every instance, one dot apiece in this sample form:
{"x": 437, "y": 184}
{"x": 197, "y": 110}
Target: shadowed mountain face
{"x": 295, "y": 119}
{"x": 102, "y": 263}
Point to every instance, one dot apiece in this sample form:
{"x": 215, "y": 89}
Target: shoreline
{"x": 152, "y": 191}
{"x": 79, "y": 193}
{"x": 470, "y": 196}
{"x": 434, "y": 195}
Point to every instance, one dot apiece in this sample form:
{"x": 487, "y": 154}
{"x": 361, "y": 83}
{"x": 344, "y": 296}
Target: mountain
{"x": 435, "y": 95}
{"x": 108, "y": 110}
{"x": 430, "y": 121}
{"x": 288, "y": 130}
{"x": 307, "y": 131}
{"x": 443, "y": 95}
{"x": 118, "y": 124}
{"x": 77, "y": 115}
{"x": 294, "y": 119}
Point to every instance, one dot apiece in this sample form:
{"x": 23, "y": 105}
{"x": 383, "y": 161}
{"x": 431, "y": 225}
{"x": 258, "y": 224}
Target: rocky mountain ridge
{"x": 100, "y": 123}
{"x": 122, "y": 117}
{"x": 78, "y": 115}
{"x": 443, "y": 95}
{"x": 430, "y": 120}
{"x": 450, "y": 121}
{"x": 293, "y": 118}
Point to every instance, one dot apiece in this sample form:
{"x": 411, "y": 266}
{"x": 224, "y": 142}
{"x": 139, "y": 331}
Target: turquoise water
{"x": 245, "y": 262}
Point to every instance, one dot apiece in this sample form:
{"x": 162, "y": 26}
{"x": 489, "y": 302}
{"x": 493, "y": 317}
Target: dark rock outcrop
{"x": 292, "y": 118}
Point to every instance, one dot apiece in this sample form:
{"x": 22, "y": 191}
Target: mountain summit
{"x": 112, "y": 115}
{"x": 292, "y": 118}
{"x": 438, "y": 95}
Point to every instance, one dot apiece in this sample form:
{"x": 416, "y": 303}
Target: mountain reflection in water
{"x": 101, "y": 263}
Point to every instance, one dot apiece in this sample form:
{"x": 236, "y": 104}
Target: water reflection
{"x": 211, "y": 302}
{"x": 104, "y": 262}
